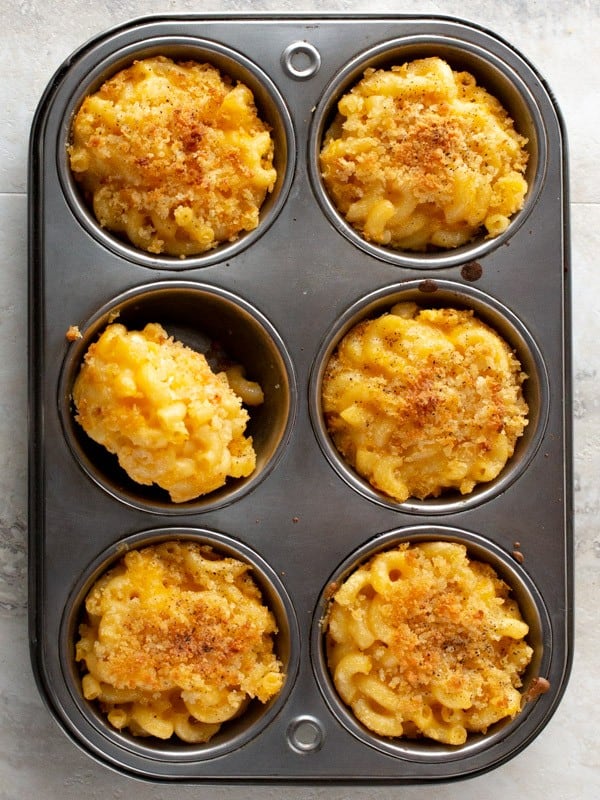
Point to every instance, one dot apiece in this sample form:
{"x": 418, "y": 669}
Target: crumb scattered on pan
{"x": 517, "y": 554}
{"x": 472, "y": 271}
{"x": 73, "y": 333}
{"x": 538, "y": 686}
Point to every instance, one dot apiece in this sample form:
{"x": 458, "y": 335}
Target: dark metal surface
{"x": 297, "y": 277}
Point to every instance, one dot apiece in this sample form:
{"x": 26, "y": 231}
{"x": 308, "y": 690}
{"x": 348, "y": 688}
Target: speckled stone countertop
{"x": 561, "y": 38}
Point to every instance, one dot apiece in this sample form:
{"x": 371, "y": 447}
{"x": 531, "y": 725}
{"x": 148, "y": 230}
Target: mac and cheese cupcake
{"x": 423, "y": 641}
{"x": 423, "y": 401}
{"x": 176, "y": 641}
{"x": 158, "y": 406}
{"x": 173, "y": 156}
{"x": 419, "y": 156}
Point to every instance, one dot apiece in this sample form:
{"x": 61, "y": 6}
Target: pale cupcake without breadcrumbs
{"x": 158, "y": 406}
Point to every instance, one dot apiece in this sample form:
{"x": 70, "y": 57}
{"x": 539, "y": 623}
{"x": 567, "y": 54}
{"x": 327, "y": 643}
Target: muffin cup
{"x": 199, "y": 316}
{"x": 523, "y": 591}
{"x": 271, "y": 108}
{"x": 232, "y": 734}
{"x": 491, "y": 72}
{"x": 438, "y": 294}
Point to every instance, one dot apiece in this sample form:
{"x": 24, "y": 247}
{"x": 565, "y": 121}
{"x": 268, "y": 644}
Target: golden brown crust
{"x": 420, "y": 401}
{"x": 175, "y": 631}
{"x": 184, "y": 634}
{"x": 423, "y": 640}
{"x": 420, "y": 156}
{"x": 173, "y": 156}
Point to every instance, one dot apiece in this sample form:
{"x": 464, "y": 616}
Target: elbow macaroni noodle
{"x": 423, "y": 641}
{"x": 420, "y": 156}
{"x": 176, "y": 642}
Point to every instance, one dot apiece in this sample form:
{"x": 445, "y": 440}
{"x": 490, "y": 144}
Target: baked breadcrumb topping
{"x": 173, "y": 155}
{"x": 419, "y": 156}
{"x": 179, "y": 637}
{"x": 420, "y": 401}
{"x": 425, "y": 641}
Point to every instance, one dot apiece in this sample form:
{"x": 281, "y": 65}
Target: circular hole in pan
{"x": 522, "y": 590}
{"x": 493, "y": 73}
{"x": 232, "y": 734}
{"x": 209, "y": 320}
{"x": 271, "y": 108}
{"x": 496, "y": 316}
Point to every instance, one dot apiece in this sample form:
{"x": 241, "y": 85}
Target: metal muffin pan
{"x": 278, "y": 299}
